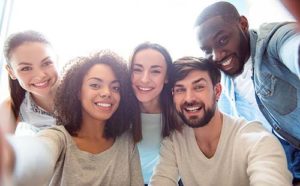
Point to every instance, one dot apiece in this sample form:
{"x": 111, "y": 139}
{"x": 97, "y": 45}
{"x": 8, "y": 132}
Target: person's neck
{"x": 207, "y": 137}
{"x": 91, "y": 138}
{"x": 45, "y": 102}
{"x": 151, "y": 107}
{"x": 91, "y": 129}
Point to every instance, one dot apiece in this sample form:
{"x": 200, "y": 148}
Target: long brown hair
{"x": 169, "y": 118}
{"x": 17, "y": 93}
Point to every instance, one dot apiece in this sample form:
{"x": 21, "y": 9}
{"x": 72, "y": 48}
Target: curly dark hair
{"x": 68, "y": 109}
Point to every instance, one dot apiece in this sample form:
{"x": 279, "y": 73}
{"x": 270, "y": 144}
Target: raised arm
{"x": 34, "y": 157}
{"x": 166, "y": 172}
{"x": 267, "y": 163}
{"x": 285, "y": 44}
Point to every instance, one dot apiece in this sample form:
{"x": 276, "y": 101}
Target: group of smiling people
{"x": 152, "y": 121}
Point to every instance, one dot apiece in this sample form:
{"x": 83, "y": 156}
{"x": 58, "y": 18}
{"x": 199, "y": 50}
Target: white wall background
{"x": 78, "y": 27}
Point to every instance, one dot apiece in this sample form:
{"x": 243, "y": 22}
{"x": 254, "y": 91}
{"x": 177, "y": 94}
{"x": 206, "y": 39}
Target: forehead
{"x": 211, "y": 28}
{"x": 193, "y": 77}
{"x": 101, "y": 71}
{"x": 149, "y": 57}
{"x": 31, "y": 52}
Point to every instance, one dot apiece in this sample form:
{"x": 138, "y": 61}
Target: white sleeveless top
{"x": 33, "y": 118}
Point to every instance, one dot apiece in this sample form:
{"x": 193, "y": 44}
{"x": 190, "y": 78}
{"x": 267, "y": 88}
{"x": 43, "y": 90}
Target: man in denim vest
{"x": 260, "y": 72}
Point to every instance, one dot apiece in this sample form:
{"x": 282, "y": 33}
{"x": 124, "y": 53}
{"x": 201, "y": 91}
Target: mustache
{"x": 193, "y": 103}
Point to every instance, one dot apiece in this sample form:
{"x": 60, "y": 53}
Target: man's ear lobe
{"x": 10, "y": 72}
{"x": 244, "y": 23}
{"x": 218, "y": 90}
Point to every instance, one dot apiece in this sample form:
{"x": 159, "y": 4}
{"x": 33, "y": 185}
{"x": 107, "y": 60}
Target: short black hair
{"x": 183, "y": 66}
{"x": 224, "y": 9}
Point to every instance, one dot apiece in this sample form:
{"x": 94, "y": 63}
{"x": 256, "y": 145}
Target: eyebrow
{"x": 214, "y": 36}
{"x": 217, "y": 34}
{"x": 26, "y": 63}
{"x": 100, "y": 80}
{"x": 156, "y": 66}
{"x": 199, "y": 80}
{"x": 194, "y": 82}
{"x": 152, "y": 66}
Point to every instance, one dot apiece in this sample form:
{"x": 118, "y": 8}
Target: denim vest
{"x": 277, "y": 89}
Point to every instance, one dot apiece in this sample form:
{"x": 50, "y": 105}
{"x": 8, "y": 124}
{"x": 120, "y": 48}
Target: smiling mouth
{"x": 41, "y": 84}
{"x": 226, "y": 62}
{"x": 104, "y": 105}
{"x": 144, "y": 89}
{"x": 192, "y": 108}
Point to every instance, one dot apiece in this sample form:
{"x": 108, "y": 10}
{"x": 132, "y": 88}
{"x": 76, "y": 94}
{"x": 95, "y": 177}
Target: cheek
{"x": 23, "y": 79}
{"x": 117, "y": 98}
{"x": 54, "y": 73}
{"x": 160, "y": 81}
{"x": 176, "y": 103}
{"x": 133, "y": 78}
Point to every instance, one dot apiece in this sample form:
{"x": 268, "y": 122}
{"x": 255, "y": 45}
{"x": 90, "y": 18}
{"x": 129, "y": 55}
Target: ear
{"x": 218, "y": 90}
{"x": 10, "y": 72}
{"x": 244, "y": 23}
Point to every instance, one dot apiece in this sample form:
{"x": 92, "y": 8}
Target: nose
{"x": 217, "y": 55}
{"x": 145, "y": 77}
{"x": 189, "y": 96}
{"x": 40, "y": 74}
{"x": 105, "y": 92}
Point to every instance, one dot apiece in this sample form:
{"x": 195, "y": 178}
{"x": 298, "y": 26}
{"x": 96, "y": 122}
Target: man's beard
{"x": 196, "y": 122}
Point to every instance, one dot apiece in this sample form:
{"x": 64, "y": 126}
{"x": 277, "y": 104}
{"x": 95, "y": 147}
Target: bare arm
{"x": 8, "y": 121}
{"x": 7, "y": 160}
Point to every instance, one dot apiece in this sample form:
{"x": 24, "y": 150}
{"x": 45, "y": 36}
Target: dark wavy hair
{"x": 183, "y": 66}
{"x": 68, "y": 108}
{"x": 169, "y": 119}
{"x": 17, "y": 93}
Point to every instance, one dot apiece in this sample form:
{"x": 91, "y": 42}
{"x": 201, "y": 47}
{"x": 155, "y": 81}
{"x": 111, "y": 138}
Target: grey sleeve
{"x": 135, "y": 169}
{"x": 166, "y": 171}
{"x": 36, "y": 157}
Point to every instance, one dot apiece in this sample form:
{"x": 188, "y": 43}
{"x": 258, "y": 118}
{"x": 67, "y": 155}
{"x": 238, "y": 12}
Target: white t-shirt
{"x": 245, "y": 88}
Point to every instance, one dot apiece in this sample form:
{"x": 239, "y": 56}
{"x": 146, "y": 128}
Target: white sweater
{"x": 246, "y": 155}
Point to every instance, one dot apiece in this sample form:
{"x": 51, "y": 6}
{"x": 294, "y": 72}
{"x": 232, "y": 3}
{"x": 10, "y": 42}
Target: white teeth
{"x": 144, "y": 89}
{"x": 192, "y": 109}
{"x": 104, "y": 104}
{"x": 227, "y": 62}
{"x": 41, "y": 84}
